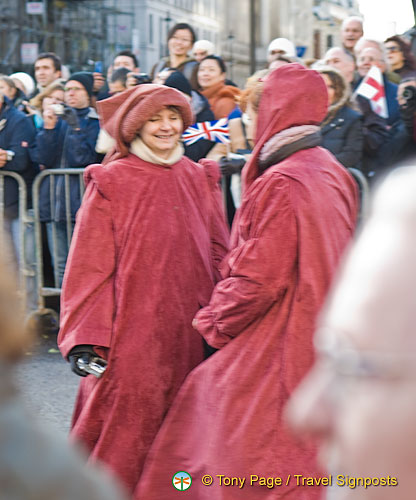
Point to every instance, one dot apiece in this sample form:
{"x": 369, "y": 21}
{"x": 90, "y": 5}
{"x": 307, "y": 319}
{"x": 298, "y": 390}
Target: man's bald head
{"x": 342, "y": 61}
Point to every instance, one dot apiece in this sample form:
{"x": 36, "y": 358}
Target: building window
{"x": 317, "y": 44}
{"x": 329, "y": 41}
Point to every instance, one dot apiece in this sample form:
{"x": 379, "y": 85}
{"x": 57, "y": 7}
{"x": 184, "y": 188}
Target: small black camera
{"x": 409, "y": 93}
{"x": 141, "y": 78}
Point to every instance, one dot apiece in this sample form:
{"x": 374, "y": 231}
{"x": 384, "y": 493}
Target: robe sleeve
{"x": 87, "y": 301}
{"x": 261, "y": 268}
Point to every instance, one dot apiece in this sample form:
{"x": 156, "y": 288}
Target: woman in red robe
{"x": 143, "y": 260}
{"x": 297, "y": 216}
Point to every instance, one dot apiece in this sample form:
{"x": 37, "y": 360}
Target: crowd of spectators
{"x": 60, "y": 125}
{"x": 270, "y": 285}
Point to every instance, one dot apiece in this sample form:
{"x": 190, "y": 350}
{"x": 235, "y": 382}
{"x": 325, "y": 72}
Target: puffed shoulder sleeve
{"x": 87, "y": 300}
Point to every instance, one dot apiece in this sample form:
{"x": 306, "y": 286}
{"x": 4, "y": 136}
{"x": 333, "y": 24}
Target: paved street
{"x": 48, "y": 385}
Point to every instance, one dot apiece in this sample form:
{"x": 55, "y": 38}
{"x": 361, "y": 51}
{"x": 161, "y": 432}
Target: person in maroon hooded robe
{"x": 144, "y": 258}
{"x": 297, "y": 216}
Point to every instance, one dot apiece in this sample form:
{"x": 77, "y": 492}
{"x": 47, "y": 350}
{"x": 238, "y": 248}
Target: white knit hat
{"x": 204, "y": 45}
{"x": 26, "y": 80}
{"x": 284, "y": 45}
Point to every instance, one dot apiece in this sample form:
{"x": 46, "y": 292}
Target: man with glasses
{"x": 67, "y": 140}
{"x": 359, "y": 400}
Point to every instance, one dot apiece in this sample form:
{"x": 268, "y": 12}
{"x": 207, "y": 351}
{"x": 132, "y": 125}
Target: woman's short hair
{"x": 182, "y": 26}
{"x": 220, "y": 62}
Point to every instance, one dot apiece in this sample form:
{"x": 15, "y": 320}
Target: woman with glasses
{"x": 400, "y": 57}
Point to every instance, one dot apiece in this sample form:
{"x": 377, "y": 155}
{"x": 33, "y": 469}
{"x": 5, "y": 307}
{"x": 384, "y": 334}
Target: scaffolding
{"x": 79, "y": 31}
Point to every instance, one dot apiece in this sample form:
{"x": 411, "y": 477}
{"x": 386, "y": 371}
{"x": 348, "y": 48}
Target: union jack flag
{"x": 216, "y": 131}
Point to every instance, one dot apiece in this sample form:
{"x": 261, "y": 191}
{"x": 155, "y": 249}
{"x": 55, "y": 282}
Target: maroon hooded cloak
{"x": 144, "y": 257}
{"x": 295, "y": 221}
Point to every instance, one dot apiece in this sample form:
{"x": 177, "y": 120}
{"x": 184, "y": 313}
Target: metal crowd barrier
{"x": 364, "y": 191}
{"x": 66, "y": 173}
{"x": 23, "y": 268}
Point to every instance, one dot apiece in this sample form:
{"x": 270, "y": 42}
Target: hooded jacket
{"x": 296, "y": 218}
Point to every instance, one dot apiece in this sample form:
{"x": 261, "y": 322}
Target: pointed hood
{"x": 292, "y": 96}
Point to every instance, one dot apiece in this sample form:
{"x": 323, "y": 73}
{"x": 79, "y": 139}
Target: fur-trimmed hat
{"x": 124, "y": 114}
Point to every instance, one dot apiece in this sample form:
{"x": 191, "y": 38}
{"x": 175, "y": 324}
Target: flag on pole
{"x": 372, "y": 88}
{"x": 216, "y": 131}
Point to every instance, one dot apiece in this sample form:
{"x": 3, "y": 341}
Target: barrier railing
{"x": 364, "y": 190}
{"x": 66, "y": 174}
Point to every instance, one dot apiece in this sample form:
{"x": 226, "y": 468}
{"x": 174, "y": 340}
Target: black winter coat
{"x": 343, "y": 136}
{"x": 64, "y": 147}
{"x": 17, "y": 135}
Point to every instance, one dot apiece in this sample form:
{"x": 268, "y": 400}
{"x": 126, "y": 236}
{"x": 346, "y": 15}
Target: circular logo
{"x": 181, "y": 481}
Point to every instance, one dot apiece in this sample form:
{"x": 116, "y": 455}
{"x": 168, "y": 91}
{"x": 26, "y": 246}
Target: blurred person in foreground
{"x": 359, "y": 399}
{"x": 144, "y": 258}
{"x": 297, "y": 215}
{"x": 35, "y": 464}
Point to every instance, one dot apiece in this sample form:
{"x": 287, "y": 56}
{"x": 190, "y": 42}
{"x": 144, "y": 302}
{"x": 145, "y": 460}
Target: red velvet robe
{"x": 292, "y": 228}
{"x": 144, "y": 258}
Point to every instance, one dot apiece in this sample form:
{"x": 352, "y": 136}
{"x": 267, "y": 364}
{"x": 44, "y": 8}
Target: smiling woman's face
{"x": 209, "y": 73}
{"x": 162, "y": 132}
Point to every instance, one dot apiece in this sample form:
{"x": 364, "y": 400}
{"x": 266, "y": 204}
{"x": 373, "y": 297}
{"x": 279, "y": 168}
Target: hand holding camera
{"x": 134, "y": 79}
{"x": 66, "y": 113}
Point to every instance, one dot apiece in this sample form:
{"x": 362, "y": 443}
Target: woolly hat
{"x": 204, "y": 45}
{"x": 85, "y": 79}
{"x": 26, "y": 80}
{"x": 124, "y": 114}
{"x": 177, "y": 80}
{"x": 284, "y": 45}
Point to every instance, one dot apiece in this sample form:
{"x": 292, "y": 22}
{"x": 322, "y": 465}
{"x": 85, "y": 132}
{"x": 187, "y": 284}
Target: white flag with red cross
{"x": 372, "y": 88}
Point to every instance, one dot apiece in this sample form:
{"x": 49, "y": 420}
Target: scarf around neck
{"x": 139, "y": 148}
{"x": 288, "y": 142}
